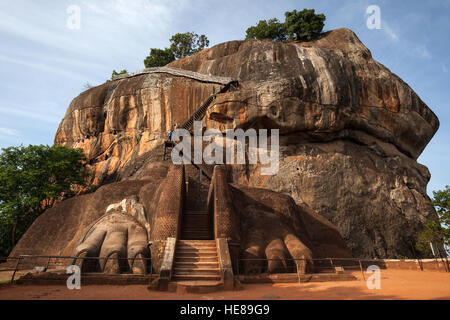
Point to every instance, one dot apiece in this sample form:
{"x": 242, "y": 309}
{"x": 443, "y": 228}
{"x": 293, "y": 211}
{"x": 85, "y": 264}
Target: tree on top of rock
{"x": 159, "y": 57}
{"x": 115, "y": 73}
{"x": 267, "y": 29}
{"x": 181, "y": 45}
{"x": 187, "y": 44}
{"x": 302, "y": 25}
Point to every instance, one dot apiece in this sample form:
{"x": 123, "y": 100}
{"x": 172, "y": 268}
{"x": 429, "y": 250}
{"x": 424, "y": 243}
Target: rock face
{"x": 101, "y": 224}
{"x": 119, "y": 121}
{"x": 350, "y": 131}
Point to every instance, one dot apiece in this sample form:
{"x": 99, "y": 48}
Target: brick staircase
{"x": 196, "y": 260}
{"x": 196, "y": 223}
{"x": 196, "y": 265}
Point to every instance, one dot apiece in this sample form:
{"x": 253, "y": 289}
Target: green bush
{"x": 437, "y": 231}
{"x": 267, "y": 29}
{"x": 115, "y": 73}
{"x": 159, "y": 58}
{"x": 186, "y": 44}
{"x": 32, "y": 179}
{"x": 181, "y": 45}
{"x": 302, "y": 25}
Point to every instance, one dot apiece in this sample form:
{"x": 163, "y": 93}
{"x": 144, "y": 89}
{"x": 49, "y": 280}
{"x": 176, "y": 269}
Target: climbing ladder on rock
{"x": 201, "y": 111}
{"x": 198, "y": 115}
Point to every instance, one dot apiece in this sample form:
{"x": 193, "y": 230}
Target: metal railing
{"x": 90, "y": 265}
{"x": 322, "y": 265}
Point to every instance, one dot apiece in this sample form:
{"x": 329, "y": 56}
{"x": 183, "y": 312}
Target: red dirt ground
{"x": 395, "y": 284}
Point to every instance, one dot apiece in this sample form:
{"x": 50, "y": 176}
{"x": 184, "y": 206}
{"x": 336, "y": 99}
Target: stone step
{"x": 196, "y": 236}
{"x": 193, "y": 254}
{"x": 206, "y": 247}
{"x": 193, "y": 233}
{"x": 194, "y": 228}
{"x": 195, "y": 212}
{"x": 185, "y": 253}
{"x": 190, "y": 259}
{"x": 195, "y": 271}
{"x": 194, "y": 223}
{"x": 196, "y": 216}
{"x": 193, "y": 277}
{"x": 184, "y": 248}
{"x": 196, "y": 246}
{"x": 199, "y": 265}
{"x": 199, "y": 242}
{"x": 196, "y": 207}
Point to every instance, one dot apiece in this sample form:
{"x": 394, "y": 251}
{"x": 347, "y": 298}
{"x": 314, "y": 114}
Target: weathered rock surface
{"x": 119, "y": 121}
{"x": 101, "y": 224}
{"x": 351, "y": 131}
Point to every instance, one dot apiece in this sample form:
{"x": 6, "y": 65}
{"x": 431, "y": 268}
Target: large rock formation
{"x": 351, "y": 131}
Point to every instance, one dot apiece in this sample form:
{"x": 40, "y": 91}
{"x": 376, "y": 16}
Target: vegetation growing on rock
{"x": 302, "y": 25}
{"x": 181, "y": 45}
{"x": 115, "y": 73}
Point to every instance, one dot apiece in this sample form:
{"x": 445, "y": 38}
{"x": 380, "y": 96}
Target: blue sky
{"x": 44, "y": 64}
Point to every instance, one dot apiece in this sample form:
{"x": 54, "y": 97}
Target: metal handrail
{"x": 22, "y": 257}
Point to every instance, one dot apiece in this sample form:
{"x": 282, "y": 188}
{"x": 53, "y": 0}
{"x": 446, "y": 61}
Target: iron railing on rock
{"x": 323, "y": 265}
{"x": 36, "y": 263}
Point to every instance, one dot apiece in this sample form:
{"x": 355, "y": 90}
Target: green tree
{"x": 267, "y": 29}
{"x": 115, "y": 73}
{"x": 181, "y": 45}
{"x": 437, "y": 231}
{"x": 159, "y": 57}
{"x": 304, "y": 25}
{"x": 32, "y": 179}
{"x": 188, "y": 43}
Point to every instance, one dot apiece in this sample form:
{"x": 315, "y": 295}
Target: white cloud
{"x": 141, "y": 13}
{"x": 8, "y": 132}
{"x": 444, "y": 68}
{"x": 38, "y": 115}
{"x": 389, "y": 31}
{"x": 43, "y": 67}
{"x": 103, "y": 24}
{"x": 38, "y": 27}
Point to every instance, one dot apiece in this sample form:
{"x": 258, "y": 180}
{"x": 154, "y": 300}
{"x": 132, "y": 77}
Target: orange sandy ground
{"x": 395, "y": 284}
